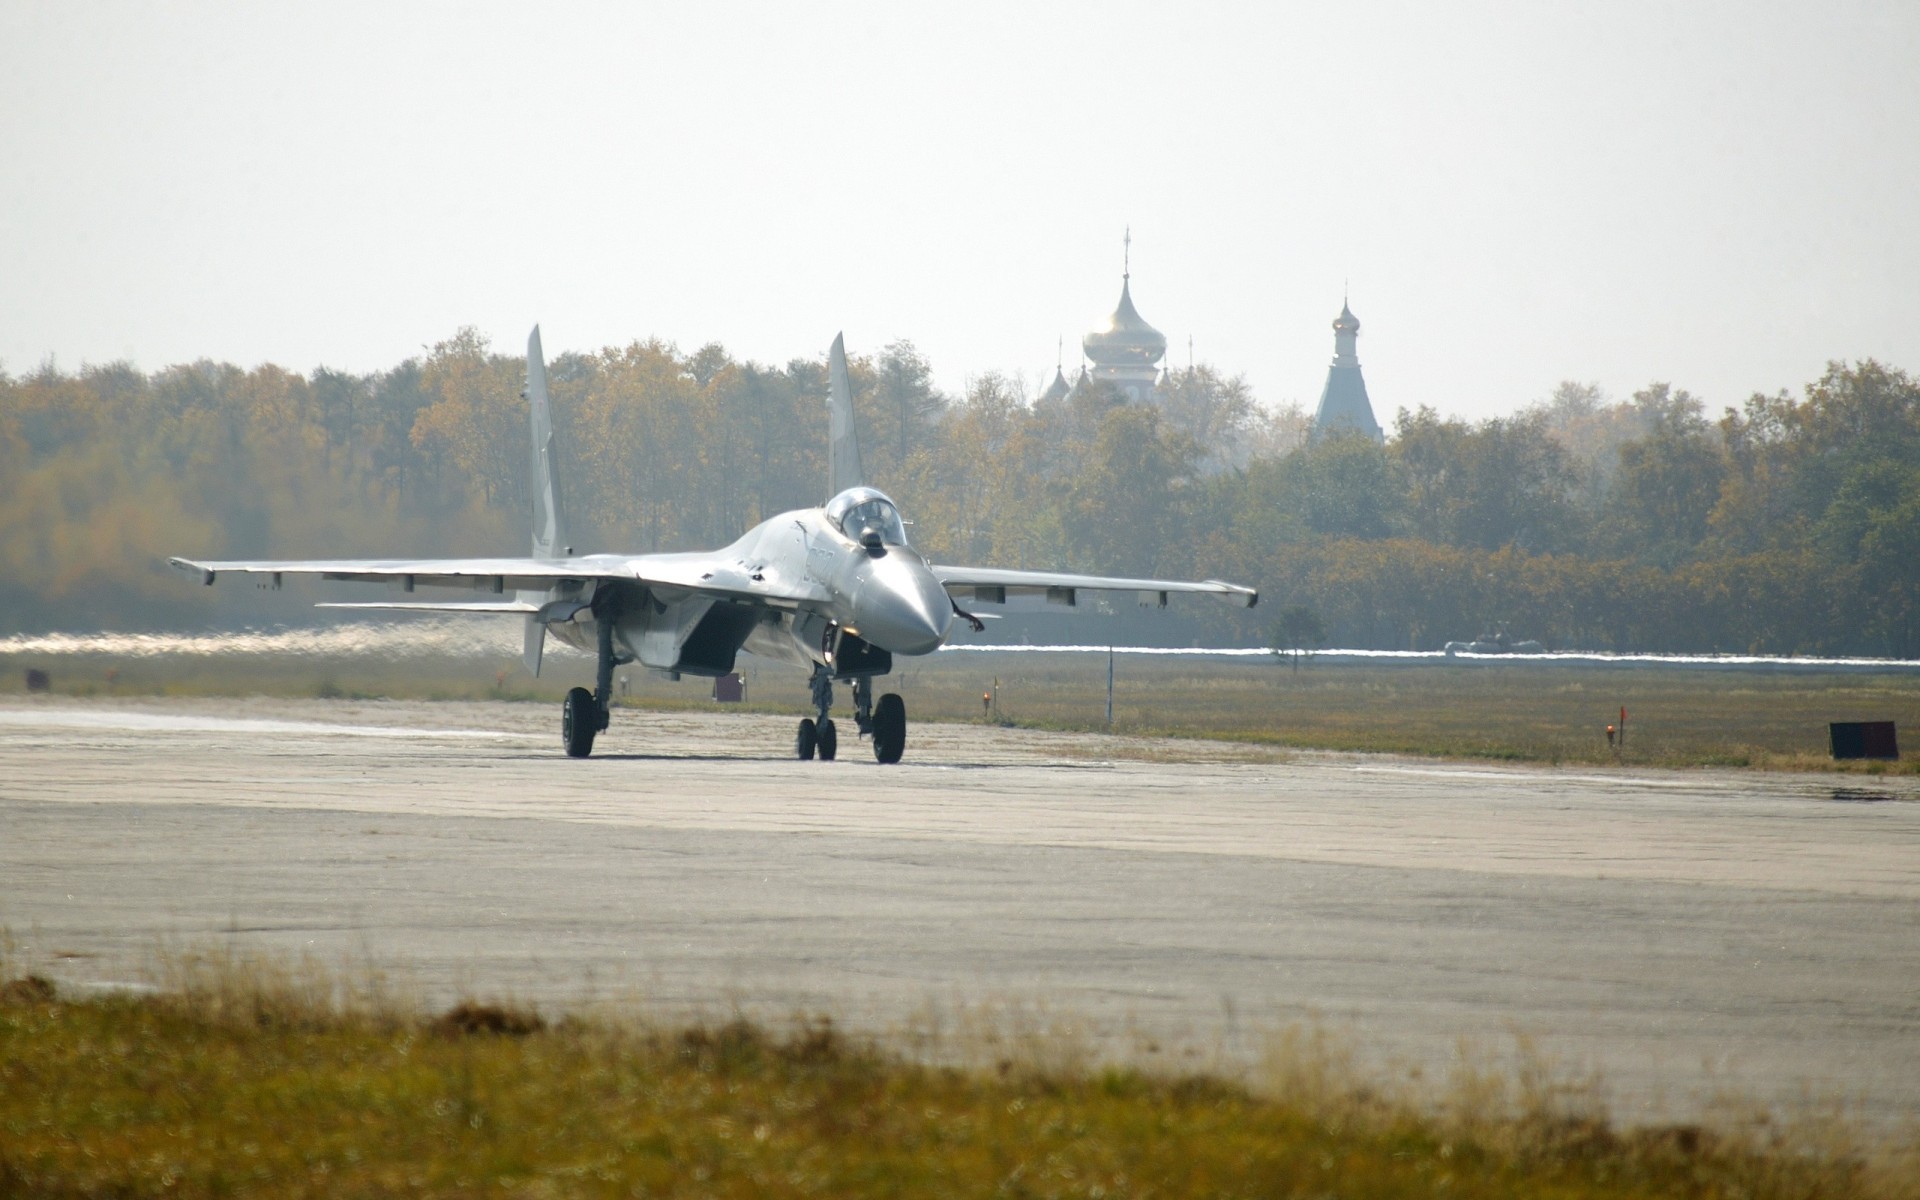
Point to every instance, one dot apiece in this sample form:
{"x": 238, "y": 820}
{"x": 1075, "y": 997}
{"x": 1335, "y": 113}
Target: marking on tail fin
{"x": 843, "y": 450}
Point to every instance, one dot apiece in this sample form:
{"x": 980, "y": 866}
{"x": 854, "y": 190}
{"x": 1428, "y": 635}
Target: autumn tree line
{"x": 1790, "y": 524}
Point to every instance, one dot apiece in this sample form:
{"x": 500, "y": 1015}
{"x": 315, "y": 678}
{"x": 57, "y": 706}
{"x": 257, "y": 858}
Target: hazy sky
{"x": 1719, "y": 195}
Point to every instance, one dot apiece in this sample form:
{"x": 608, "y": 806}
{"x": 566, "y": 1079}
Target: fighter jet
{"x": 835, "y": 590}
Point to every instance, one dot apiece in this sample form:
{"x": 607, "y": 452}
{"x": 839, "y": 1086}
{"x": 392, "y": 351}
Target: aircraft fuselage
{"x": 871, "y": 596}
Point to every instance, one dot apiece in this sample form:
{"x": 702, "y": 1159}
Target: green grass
{"x": 243, "y": 1078}
{"x": 1677, "y": 716}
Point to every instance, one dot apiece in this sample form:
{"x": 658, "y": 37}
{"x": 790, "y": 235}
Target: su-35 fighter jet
{"x": 836, "y": 590}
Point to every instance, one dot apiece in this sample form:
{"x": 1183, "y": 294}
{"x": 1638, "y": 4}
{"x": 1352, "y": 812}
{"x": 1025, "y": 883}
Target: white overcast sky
{"x": 1723, "y": 196}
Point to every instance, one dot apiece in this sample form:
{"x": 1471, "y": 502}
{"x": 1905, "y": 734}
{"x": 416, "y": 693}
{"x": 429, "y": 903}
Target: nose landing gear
{"x": 886, "y": 723}
{"x": 817, "y": 734}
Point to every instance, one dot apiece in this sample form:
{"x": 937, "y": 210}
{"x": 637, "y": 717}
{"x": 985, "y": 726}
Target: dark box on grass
{"x": 1862, "y": 739}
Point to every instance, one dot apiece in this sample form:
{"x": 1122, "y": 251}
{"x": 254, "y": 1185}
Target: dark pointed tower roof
{"x": 1058, "y": 389}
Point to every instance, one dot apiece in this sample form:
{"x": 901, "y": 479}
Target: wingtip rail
{"x": 188, "y": 565}
{"x": 1248, "y": 597}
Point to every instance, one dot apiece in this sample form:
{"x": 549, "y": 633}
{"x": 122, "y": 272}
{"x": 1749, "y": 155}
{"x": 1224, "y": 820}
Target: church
{"x": 1126, "y": 355}
{"x": 1344, "y": 406}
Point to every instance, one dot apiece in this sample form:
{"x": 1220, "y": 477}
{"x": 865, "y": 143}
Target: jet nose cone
{"x": 903, "y": 608}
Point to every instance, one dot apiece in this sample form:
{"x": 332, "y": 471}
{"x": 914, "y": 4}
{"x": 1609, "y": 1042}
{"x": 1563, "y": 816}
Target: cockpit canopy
{"x": 857, "y": 510}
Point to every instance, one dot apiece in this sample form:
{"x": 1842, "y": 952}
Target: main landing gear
{"x": 585, "y": 714}
{"x": 886, "y": 724}
{"x": 890, "y": 728}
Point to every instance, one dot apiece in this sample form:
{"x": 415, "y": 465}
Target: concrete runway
{"x": 1677, "y": 932}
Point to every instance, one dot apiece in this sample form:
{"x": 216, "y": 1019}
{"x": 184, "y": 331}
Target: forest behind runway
{"x": 1679, "y": 933}
{"x": 1774, "y": 524}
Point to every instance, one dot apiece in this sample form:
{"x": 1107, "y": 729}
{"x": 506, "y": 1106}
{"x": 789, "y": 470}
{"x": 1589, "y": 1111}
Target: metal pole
{"x": 1109, "y": 689}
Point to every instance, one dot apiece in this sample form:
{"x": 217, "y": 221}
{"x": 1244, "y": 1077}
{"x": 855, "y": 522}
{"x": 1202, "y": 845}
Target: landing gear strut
{"x": 863, "y": 704}
{"x": 586, "y": 713}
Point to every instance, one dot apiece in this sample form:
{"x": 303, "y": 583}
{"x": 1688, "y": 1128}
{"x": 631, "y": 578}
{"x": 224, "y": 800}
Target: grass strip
{"x": 253, "y": 1081}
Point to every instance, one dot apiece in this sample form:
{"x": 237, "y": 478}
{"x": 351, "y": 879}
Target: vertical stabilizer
{"x": 550, "y": 538}
{"x": 843, "y": 451}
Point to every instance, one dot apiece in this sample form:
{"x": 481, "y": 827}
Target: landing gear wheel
{"x": 805, "y": 741}
{"x": 827, "y": 739}
{"x": 579, "y": 721}
{"x": 889, "y": 728}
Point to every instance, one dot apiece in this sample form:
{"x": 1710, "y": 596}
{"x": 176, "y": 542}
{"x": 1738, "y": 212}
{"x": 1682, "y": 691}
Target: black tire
{"x": 806, "y": 740}
{"x": 827, "y": 738}
{"x": 579, "y": 721}
{"x": 889, "y": 728}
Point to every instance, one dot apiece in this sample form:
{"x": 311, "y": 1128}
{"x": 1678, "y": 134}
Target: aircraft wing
{"x": 710, "y": 574}
{"x": 992, "y": 583}
{"x": 521, "y": 607}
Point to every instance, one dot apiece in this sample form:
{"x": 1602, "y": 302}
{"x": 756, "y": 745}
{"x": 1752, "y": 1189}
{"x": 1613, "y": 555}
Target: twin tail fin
{"x": 843, "y": 451}
{"x": 550, "y": 536}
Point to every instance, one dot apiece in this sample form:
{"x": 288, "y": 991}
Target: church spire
{"x": 1344, "y": 404}
{"x": 1346, "y": 333}
{"x": 1059, "y": 388}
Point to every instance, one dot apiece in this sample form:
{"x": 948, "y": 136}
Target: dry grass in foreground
{"x": 255, "y": 1078}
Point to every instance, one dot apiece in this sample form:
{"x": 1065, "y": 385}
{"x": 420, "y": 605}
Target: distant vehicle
{"x": 1494, "y": 643}
{"x": 834, "y": 589}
